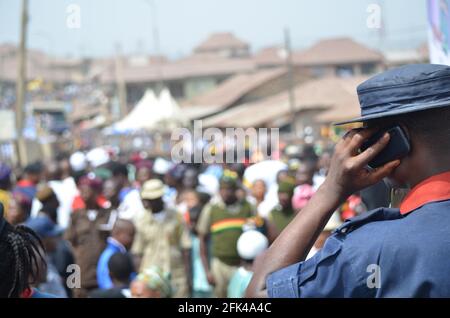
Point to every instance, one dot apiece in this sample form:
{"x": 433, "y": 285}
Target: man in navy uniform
{"x": 386, "y": 252}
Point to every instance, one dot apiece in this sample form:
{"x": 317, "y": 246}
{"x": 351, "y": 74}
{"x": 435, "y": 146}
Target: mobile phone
{"x": 397, "y": 148}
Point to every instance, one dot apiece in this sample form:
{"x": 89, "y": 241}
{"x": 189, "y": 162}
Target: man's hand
{"x": 348, "y": 171}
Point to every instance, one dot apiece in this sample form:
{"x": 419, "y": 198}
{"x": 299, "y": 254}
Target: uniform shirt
{"x": 383, "y": 253}
{"x": 281, "y": 218}
{"x": 160, "y": 239}
{"x": 87, "y": 234}
{"x": 225, "y": 225}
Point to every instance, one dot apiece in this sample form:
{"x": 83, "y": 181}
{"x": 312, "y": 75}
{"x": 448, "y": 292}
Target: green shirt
{"x": 224, "y": 224}
{"x": 281, "y": 218}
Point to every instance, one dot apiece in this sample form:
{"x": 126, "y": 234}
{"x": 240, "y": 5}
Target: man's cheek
{"x": 396, "y": 180}
{"x": 399, "y": 176}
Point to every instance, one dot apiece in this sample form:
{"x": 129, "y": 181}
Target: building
{"x": 42, "y": 66}
{"x": 244, "y": 88}
{"x": 317, "y": 102}
{"x": 224, "y": 44}
{"x": 395, "y": 58}
{"x": 186, "y": 78}
{"x": 273, "y": 56}
{"x": 340, "y": 57}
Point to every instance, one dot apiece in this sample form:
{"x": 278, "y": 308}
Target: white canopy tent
{"x": 169, "y": 113}
{"x": 150, "y": 113}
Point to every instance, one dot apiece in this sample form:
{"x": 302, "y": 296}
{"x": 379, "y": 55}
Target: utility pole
{"x": 120, "y": 82}
{"x": 291, "y": 82}
{"x": 156, "y": 44}
{"x": 20, "y": 86}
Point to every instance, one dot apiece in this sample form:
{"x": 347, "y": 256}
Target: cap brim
{"x": 394, "y": 112}
{"x": 152, "y": 195}
{"x": 57, "y": 231}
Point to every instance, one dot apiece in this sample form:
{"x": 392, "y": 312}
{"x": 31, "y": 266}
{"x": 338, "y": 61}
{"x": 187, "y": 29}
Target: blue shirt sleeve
{"x": 103, "y": 279}
{"x": 327, "y": 274}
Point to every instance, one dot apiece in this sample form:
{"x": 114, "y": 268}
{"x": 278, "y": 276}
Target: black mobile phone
{"x": 397, "y": 148}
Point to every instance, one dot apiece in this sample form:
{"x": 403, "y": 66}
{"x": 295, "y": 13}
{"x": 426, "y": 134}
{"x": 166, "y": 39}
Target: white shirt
{"x": 65, "y": 191}
{"x": 131, "y": 207}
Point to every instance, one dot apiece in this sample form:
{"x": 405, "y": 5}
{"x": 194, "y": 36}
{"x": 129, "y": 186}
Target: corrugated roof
{"x": 218, "y": 41}
{"x": 236, "y": 87}
{"x": 194, "y": 66}
{"x": 331, "y": 94}
{"x": 270, "y": 56}
{"x": 337, "y": 51}
{"x": 39, "y": 65}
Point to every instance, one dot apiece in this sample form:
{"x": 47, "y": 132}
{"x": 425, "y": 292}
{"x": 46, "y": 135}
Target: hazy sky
{"x": 182, "y": 24}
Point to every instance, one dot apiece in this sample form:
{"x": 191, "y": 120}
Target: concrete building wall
{"x": 196, "y": 86}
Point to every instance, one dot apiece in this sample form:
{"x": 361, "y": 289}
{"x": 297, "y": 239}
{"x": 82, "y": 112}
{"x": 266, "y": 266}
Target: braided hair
{"x": 21, "y": 254}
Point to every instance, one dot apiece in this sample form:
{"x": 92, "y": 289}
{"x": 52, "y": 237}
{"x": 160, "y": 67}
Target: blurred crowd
{"x": 141, "y": 226}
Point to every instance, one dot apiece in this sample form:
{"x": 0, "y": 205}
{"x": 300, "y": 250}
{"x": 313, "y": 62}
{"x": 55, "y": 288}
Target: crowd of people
{"x": 315, "y": 222}
{"x": 136, "y": 226}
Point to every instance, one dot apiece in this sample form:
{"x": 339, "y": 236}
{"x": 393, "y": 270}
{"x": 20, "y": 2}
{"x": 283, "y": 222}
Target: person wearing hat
{"x": 49, "y": 202}
{"x": 162, "y": 239}
{"x": 250, "y": 245}
{"x": 221, "y": 223}
{"x": 153, "y": 282}
{"x": 386, "y": 252}
{"x": 49, "y": 233}
{"x": 58, "y": 251}
{"x": 280, "y": 216}
{"x": 32, "y": 175}
{"x": 89, "y": 228}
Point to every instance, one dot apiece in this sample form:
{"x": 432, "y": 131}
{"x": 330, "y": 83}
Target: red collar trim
{"x": 25, "y": 183}
{"x": 433, "y": 189}
{"x": 27, "y": 293}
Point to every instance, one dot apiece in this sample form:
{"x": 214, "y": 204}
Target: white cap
{"x": 162, "y": 166}
{"x": 251, "y": 244}
{"x": 97, "y": 157}
{"x": 208, "y": 184}
{"x": 78, "y": 161}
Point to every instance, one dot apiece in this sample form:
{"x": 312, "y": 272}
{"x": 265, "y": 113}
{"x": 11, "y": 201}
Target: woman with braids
{"x": 22, "y": 264}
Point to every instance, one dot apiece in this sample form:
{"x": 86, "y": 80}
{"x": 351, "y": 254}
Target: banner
{"x": 7, "y": 125}
{"x": 439, "y": 31}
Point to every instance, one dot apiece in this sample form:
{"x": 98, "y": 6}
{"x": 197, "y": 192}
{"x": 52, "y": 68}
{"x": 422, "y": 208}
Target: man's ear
{"x": 406, "y": 131}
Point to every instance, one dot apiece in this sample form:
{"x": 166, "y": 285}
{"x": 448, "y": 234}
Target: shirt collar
{"x": 27, "y": 293}
{"x": 117, "y": 244}
{"x": 159, "y": 216}
{"x": 25, "y": 183}
{"x": 433, "y": 189}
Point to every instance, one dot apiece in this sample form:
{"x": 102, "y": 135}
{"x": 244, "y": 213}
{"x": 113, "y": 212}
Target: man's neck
{"x": 116, "y": 242}
{"x": 287, "y": 210}
{"x": 429, "y": 171}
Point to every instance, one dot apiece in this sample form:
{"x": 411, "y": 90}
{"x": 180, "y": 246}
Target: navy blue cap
{"x": 44, "y": 226}
{"x": 403, "y": 90}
